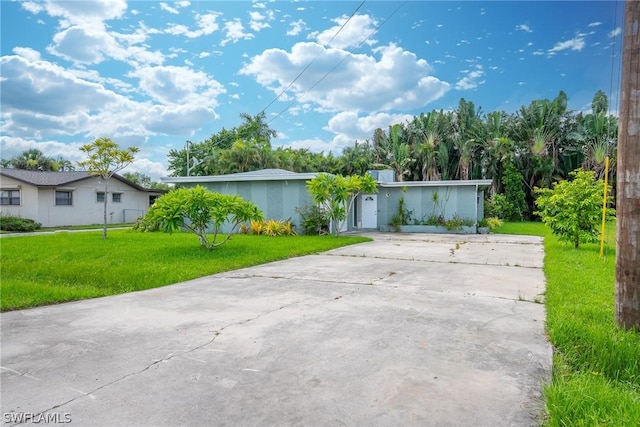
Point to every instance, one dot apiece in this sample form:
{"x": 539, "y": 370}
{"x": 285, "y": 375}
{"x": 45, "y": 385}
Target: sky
{"x": 155, "y": 74}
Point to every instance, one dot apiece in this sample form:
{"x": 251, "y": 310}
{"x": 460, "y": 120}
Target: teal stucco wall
{"x": 276, "y": 199}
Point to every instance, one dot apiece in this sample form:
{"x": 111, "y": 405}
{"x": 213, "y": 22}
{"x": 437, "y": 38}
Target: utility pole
{"x": 628, "y": 194}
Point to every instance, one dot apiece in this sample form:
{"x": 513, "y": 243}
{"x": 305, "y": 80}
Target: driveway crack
{"x": 216, "y": 334}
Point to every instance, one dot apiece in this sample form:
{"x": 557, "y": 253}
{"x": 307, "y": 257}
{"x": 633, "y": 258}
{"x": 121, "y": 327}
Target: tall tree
{"x": 600, "y": 103}
{"x": 33, "y": 159}
{"x": 628, "y": 194}
{"x": 393, "y": 150}
{"x": 256, "y": 129}
{"x": 104, "y": 159}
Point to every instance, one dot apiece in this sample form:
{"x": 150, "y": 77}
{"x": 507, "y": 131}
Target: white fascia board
{"x": 222, "y": 178}
{"x": 481, "y": 183}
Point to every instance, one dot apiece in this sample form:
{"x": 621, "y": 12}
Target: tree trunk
{"x": 628, "y": 192}
{"x": 106, "y": 195}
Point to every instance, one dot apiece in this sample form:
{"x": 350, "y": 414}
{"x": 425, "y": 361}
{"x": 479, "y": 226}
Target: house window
{"x": 152, "y": 199}
{"x": 10, "y": 197}
{"x": 116, "y": 197}
{"x": 64, "y": 198}
{"x": 100, "y": 197}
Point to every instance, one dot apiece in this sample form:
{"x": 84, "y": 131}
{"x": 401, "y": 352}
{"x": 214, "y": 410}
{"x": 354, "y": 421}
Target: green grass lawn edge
{"x": 596, "y": 366}
{"x": 68, "y": 266}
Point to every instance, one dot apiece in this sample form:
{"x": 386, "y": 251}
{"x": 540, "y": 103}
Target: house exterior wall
{"x": 452, "y": 200}
{"x": 39, "y": 203}
{"x": 27, "y": 192}
{"x": 277, "y": 199}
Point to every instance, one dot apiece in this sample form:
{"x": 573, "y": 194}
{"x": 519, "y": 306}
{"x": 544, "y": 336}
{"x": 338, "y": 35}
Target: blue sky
{"x": 156, "y": 74}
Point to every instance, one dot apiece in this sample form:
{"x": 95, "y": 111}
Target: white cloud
{"x": 27, "y": 53}
{"x": 13, "y": 146}
{"x": 46, "y": 88}
{"x": 32, "y": 6}
{"x": 164, "y": 6}
{"x": 577, "y": 43}
{"x": 178, "y": 85}
{"x": 348, "y": 127}
{"x": 92, "y": 45}
{"x": 84, "y": 12}
{"x": 234, "y": 32}
{"x": 206, "y": 24}
{"x": 615, "y": 32}
{"x": 153, "y": 170}
{"x": 361, "y": 83}
{"x": 524, "y": 27}
{"x": 358, "y": 28}
{"x": 41, "y": 100}
{"x": 296, "y": 27}
{"x": 258, "y": 21}
{"x": 471, "y": 80}
{"x": 595, "y": 24}
{"x": 183, "y": 3}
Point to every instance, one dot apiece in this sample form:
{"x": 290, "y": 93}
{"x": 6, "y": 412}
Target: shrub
{"x": 314, "y": 220}
{"x": 573, "y": 209}
{"x": 269, "y": 228}
{"x": 15, "y": 223}
{"x": 201, "y": 212}
{"x": 494, "y": 222}
{"x": 514, "y": 205}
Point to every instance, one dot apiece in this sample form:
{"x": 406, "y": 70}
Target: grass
{"x": 86, "y": 227}
{"x": 48, "y": 269}
{"x": 596, "y": 365}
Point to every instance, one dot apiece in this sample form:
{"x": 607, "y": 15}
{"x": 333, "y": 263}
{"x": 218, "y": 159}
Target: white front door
{"x": 369, "y": 211}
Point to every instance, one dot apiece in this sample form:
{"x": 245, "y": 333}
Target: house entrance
{"x": 369, "y": 211}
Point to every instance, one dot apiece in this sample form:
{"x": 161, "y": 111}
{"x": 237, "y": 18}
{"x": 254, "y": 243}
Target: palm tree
{"x": 33, "y": 159}
{"x": 393, "y": 150}
{"x": 255, "y": 128}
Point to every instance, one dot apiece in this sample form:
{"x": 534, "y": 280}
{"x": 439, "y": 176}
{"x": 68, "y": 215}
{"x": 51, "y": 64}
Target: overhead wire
{"x": 338, "y": 64}
{"x": 313, "y": 60}
{"x": 188, "y": 143}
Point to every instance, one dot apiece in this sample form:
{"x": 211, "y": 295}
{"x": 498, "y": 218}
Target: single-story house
{"x": 279, "y": 193}
{"x": 71, "y": 198}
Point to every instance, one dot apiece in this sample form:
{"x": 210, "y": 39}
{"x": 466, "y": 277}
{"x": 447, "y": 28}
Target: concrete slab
{"x": 397, "y": 331}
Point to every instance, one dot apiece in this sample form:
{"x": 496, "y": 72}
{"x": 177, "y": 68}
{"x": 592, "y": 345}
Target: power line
{"x": 313, "y": 60}
{"x": 189, "y": 143}
{"x": 338, "y": 64}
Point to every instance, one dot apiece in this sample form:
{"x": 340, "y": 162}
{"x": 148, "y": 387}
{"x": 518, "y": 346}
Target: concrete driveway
{"x": 407, "y": 330}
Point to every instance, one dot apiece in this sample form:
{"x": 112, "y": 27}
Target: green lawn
{"x": 596, "y": 366}
{"x": 47, "y": 269}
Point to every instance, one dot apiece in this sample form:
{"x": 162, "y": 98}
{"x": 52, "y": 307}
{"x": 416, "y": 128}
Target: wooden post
{"x": 628, "y": 194}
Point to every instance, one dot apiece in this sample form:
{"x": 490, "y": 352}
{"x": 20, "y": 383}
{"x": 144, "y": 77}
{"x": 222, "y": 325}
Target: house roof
{"x": 283, "y": 175}
{"x": 259, "y": 175}
{"x": 56, "y": 179}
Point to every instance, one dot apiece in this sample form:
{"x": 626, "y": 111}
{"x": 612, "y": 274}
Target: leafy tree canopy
{"x": 335, "y": 194}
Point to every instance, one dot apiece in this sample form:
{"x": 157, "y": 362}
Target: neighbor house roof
{"x": 259, "y": 175}
{"x": 56, "y": 179}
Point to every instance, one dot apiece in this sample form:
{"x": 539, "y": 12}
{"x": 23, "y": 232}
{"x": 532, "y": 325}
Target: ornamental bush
{"x": 202, "y": 212}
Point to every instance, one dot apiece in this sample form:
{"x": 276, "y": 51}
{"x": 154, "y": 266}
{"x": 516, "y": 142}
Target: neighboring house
{"x": 279, "y": 193}
{"x": 71, "y": 198}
